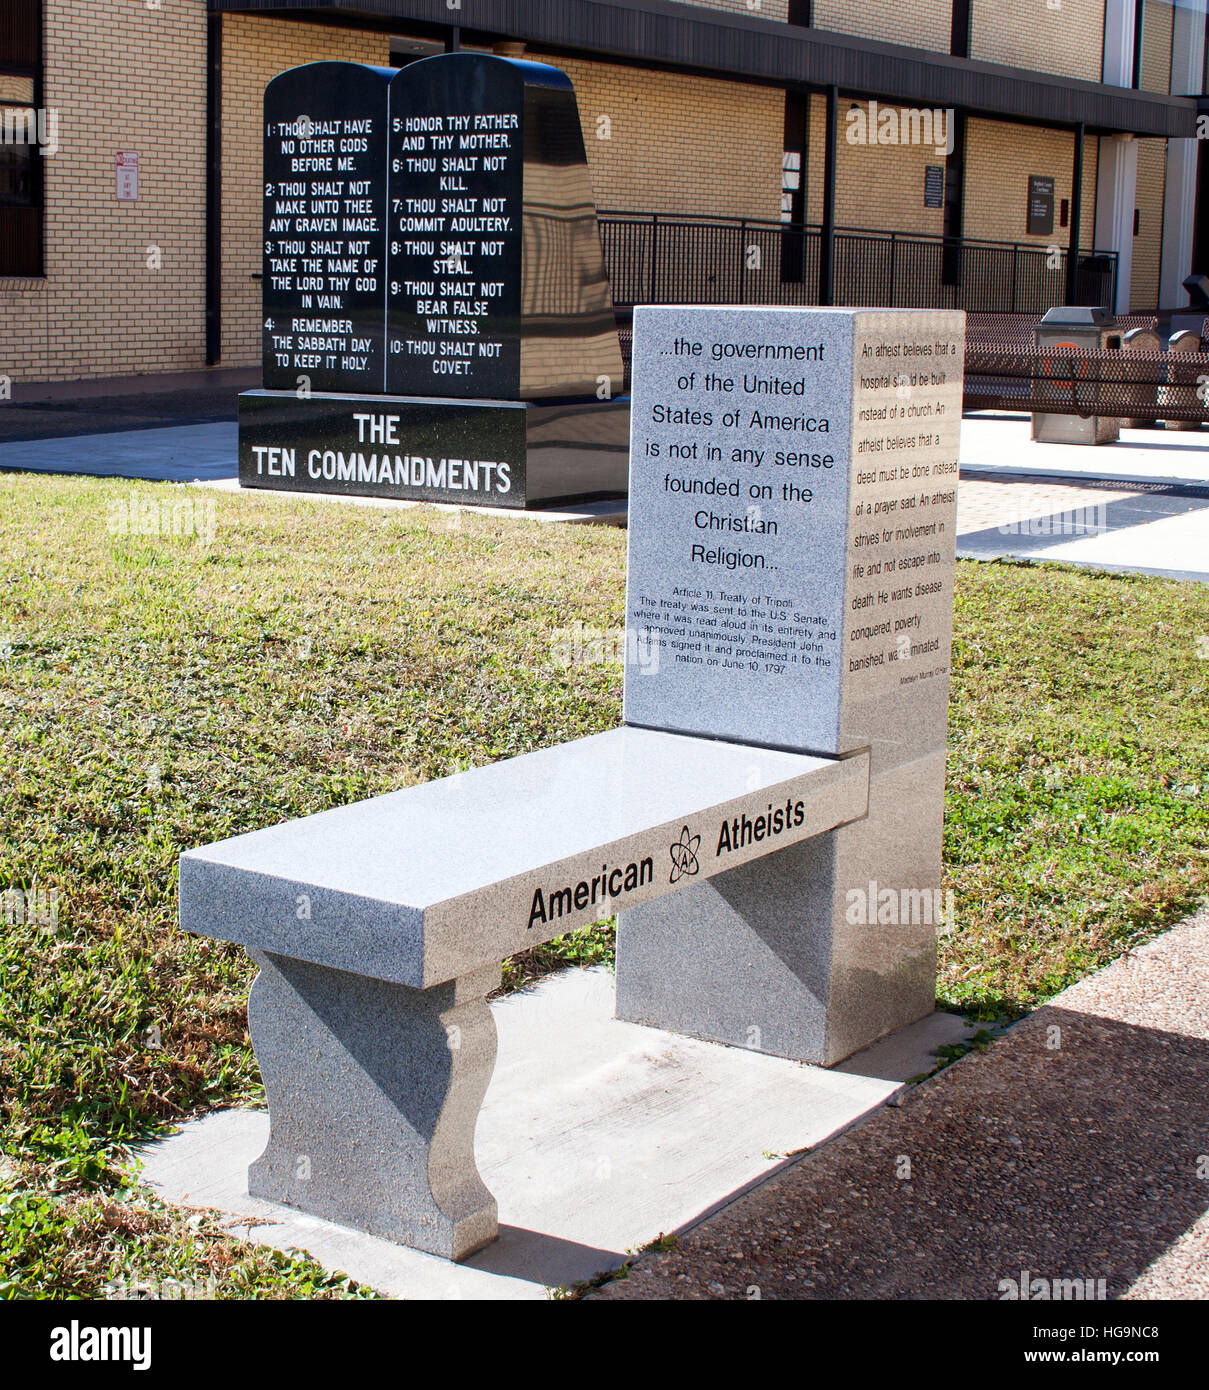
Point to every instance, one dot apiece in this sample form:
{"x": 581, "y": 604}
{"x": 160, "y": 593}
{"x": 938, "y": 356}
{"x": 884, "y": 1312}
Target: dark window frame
{"x": 959, "y": 29}
{"x": 23, "y": 226}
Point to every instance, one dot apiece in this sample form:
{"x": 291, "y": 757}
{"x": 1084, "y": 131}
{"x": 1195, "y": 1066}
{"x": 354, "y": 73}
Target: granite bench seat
{"x": 380, "y": 928}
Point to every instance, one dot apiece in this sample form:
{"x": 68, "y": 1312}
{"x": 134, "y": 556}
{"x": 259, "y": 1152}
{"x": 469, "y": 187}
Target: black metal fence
{"x": 659, "y": 259}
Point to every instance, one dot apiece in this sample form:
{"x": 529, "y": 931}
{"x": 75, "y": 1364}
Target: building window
{"x": 18, "y": 137}
{"x": 1169, "y": 46}
{"x": 22, "y": 126}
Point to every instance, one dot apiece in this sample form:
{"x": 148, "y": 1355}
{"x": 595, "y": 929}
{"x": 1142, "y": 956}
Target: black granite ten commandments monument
{"x": 437, "y": 323}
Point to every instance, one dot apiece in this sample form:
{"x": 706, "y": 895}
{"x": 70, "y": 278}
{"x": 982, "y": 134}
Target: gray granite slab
{"x": 374, "y": 1091}
{"x": 793, "y": 953}
{"x": 426, "y": 884}
{"x": 793, "y": 495}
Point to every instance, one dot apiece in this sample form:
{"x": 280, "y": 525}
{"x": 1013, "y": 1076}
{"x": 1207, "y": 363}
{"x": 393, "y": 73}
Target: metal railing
{"x": 658, "y": 258}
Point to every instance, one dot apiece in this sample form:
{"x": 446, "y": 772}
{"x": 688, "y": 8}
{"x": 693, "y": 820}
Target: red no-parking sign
{"x": 127, "y": 175}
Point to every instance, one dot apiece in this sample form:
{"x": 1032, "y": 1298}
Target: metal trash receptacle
{"x": 1063, "y": 336}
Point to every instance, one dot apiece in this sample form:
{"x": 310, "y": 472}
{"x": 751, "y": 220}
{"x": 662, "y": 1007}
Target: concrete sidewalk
{"x": 207, "y": 452}
{"x": 108, "y": 405}
{"x": 1140, "y": 505}
{"x": 1075, "y": 1147}
{"x": 996, "y": 444}
{"x": 1140, "y": 529}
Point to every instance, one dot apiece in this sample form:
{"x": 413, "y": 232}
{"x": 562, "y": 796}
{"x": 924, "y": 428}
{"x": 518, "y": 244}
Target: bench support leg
{"x": 374, "y": 1090}
{"x": 801, "y": 954}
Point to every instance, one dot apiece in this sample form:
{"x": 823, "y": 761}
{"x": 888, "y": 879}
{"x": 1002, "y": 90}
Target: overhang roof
{"x": 667, "y": 33}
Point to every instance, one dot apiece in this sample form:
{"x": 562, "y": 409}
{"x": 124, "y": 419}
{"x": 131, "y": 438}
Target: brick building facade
{"x": 708, "y": 108}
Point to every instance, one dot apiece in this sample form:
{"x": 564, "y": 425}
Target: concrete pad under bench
{"x": 593, "y": 1147}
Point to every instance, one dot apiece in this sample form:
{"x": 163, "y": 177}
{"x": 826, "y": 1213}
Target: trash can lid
{"x": 1076, "y": 316}
{"x": 1198, "y": 291}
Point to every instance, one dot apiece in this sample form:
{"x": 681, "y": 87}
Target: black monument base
{"x": 471, "y": 453}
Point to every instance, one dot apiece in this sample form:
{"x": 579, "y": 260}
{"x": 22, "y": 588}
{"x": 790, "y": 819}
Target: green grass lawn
{"x": 159, "y": 692}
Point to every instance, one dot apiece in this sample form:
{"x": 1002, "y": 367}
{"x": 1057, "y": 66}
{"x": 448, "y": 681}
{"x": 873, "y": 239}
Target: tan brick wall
{"x": 1067, "y": 39}
{"x": 920, "y": 24}
{"x": 999, "y": 159}
{"x": 254, "y": 51}
{"x": 680, "y": 144}
{"x": 876, "y": 185}
{"x": 1148, "y": 244}
{"x": 131, "y": 78}
{"x": 134, "y": 78}
{"x": 683, "y": 145}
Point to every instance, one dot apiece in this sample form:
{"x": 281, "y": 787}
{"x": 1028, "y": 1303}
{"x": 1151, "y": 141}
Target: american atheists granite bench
{"x": 782, "y": 758}
{"x": 380, "y": 929}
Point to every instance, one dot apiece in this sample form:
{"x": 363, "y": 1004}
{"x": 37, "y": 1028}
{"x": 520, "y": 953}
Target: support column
{"x": 1076, "y": 218}
{"x": 1179, "y": 222}
{"x": 214, "y": 148}
{"x": 1120, "y": 22}
{"x": 1116, "y": 197}
{"x": 787, "y": 955}
{"x": 827, "y": 236}
{"x": 374, "y": 1091}
{"x": 954, "y": 209}
{"x": 1179, "y": 197}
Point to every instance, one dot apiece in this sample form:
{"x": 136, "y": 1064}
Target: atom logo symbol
{"x": 684, "y": 856}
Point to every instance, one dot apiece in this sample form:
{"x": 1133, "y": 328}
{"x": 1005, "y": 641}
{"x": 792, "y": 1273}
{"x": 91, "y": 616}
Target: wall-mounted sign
{"x": 1040, "y": 205}
{"x": 934, "y": 186}
{"x": 127, "y": 176}
{"x": 791, "y": 182}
